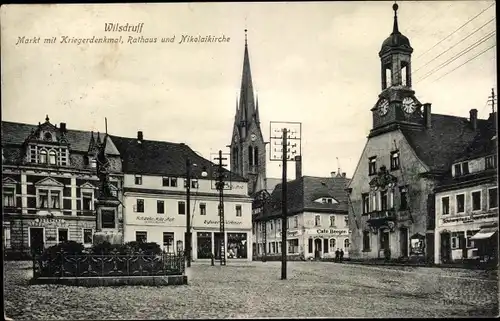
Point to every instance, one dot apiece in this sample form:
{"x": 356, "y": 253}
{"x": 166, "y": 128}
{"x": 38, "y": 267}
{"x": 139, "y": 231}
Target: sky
{"x": 314, "y": 62}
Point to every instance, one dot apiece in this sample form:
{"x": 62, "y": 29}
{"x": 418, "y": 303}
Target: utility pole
{"x": 492, "y": 100}
{"x": 286, "y": 139}
{"x": 188, "y": 212}
{"x": 220, "y": 188}
{"x": 284, "y": 207}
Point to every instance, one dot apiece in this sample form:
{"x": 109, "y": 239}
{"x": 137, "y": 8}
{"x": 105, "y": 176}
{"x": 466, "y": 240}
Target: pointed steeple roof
{"x": 257, "y": 117}
{"x": 247, "y": 104}
{"x": 395, "y": 29}
{"x": 396, "y": 41}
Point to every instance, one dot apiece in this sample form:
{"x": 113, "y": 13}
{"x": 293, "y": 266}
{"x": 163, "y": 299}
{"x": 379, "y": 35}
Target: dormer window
{"x": 461, "y": 169}
{"x": 491, "y": 162}
{"x": 326, "y": 200}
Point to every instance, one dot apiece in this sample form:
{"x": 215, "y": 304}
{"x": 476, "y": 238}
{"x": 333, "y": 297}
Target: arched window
{"x": 48, "y": 137}
{"x": 346, "y": 243}
{"x": 43, "y": 157}
{"x": 332, "y": 245}
{"x": 250, "y": 155}
{"x": 52, "y": 157}
{"x": 256, "y": 156}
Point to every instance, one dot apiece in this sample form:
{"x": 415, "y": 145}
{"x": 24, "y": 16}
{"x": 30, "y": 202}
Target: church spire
{"x": 395, "y": 29}
{"x": 247, "y": 104}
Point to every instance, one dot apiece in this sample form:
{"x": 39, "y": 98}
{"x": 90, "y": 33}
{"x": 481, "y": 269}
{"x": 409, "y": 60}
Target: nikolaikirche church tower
{"x": 248, "y": 149}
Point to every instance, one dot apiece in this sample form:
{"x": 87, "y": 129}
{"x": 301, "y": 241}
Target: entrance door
{"x": 317, "y": 248}
{"x": 403, "y": 241}
{"x": 445, "y": 247}
{"x": 218, "y": 241}
{"x": 36, "y": 239}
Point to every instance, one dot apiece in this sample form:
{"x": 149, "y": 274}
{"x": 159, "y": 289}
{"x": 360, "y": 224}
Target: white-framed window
{"x": 169, "y": 181}
{"x": 160, "y": 207}
{"x": 317, "y": 220}
{"x": 460, "y": 203}
{"x": 87, "y": 201}
{"x": 49, "y": 198}
{"x": 168, "y": 242}
{"x": 346, "y": 243}
{"x": 139, "y": 206}
{"x": 332, "y": 220}
{"x": 203, "y": 209}
{"x": 333, "y": 243}
{"x": 366, "y": 202}
{"x": 52, "y": 157}
{"x": 181, "y": 208}
{"x": 492, "y": 198}
{"x": 62, "y": 234}
{"x": 9, "y": 199}
{"x": 238, "y": 210}
{"x": 42, "y": 156}
{"x": 476, "y": 200}
{"x": 295, "y": 222}
{"x": 138, "y": 179}
{"x": 6, "y": 237}
{"x": 87, "y": 235}
{"x": 445, "y": 205}
{"x": 491, "y": 162}
{"x": 461, "y": 168}
{"x": 372, "y": 165}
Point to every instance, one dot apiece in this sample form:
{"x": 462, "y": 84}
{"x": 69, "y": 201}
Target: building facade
{"x": 154, "y": 196}
{"x": 467, "y": 203}
{"x": 248, "y": 149}
{"x": 317, "y": 221}
{"x": 49, "y": 185}
{"x": 408, "y": 152}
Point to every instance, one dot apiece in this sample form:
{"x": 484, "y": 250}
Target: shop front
{"x": 323, "y": 243}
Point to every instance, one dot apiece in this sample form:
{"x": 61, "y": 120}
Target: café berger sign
{"x": 330, "y": 232}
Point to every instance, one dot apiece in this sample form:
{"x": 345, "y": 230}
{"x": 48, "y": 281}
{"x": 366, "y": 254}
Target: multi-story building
{"x": 154, "y": 196}
{"x": 467, "y": 202}
{"x": 49, "y": 184}
{"x": 317, "y": 219}
{"x": 409, "y": 150}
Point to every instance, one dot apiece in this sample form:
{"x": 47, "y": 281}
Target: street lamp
{"x": 188, "y": 207}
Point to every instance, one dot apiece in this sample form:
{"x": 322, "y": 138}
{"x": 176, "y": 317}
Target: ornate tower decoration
{"x": 397, "y": 104}
{"x": 109, "y": 225}
{"x": 248, "y": 149}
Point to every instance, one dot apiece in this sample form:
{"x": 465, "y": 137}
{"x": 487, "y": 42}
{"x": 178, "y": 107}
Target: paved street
{"x": 246, "y": 290}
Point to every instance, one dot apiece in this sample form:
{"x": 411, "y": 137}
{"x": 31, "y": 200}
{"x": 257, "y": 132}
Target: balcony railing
{"x": 382, "y": 214}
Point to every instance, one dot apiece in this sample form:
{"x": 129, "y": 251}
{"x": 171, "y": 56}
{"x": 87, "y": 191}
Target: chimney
{"x": 332, "y": 174}
{"x": 139, "y": 136}
{"x": 298, "y": 167}
{"x": 473, "y": 118}
{"x": 62, "y": 127}
{"x": 427, "y": 115}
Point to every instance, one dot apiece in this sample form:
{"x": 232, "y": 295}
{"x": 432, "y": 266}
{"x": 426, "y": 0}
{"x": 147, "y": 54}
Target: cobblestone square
{"x": 254, "y": 290}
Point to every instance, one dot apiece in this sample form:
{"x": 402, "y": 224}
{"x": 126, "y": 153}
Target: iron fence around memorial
{"x": 92, "y": 265}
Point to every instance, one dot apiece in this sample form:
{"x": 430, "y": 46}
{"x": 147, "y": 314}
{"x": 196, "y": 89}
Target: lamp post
{"x": 188, "y": 237}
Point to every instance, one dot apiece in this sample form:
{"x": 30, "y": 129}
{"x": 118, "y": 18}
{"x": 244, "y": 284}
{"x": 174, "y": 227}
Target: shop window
{"x": 9, "y": 197}
{"x": 366, "y": 241}
{"x": 237, "y": 245}
{"x": 445, "y": 205}
{"x": 160, "y": 207}
{"x": 203, "y": 209}
{"x": 238, "y": 210}
{"x": 476, "y": 201}
{"x": 141, "y": 236}
{"x": 108, "y": 219}
{"x": 168, "y": 242}
{"x": 372, "y": 165}
{"x": 417, "y": 244}
{"x": 138, "y": 180}
{"x": 181, "y": 207}
{"x": 394, "y": 160}
{"x": 332, "y": 220}
{"x": 293, "y": 246}
{"x": 460, "y": 199}
{"x": 366, "y": 202}
{"x": 139, "y": 206}
{"x": 317, "y": 220}
{"x": 493, "y": 198}
{"x": 87, "y": 236}
{"x": 62, "y": 235}
{"x": 470, "y": 243}
{"x": 333, "y": 243}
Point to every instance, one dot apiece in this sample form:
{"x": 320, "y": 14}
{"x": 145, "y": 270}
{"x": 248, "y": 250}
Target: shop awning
{"x": 484, "y": 233}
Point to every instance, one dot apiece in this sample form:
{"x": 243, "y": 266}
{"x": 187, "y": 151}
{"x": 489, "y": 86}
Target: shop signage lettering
{"x": 290, "y": 233}
{"x": 153, "y": 219}
{"x": 228, "y": 222}
{"x": 47, "y": 221}
{"x": 332, "y": 231}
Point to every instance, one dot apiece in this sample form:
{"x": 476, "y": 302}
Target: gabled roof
{"x": 484, "y": 143}
{"x": 16, "y": 133}
{"x": 162, "y": 158}
{"x": 444, "y": 142}
{"x": 302, "y": 193}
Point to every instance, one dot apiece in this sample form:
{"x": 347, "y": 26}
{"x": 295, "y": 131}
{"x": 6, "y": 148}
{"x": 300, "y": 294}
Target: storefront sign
{"x": 155, "y": 219}
{"x": 47, "y": 222}
{"x": 336, "y": 232}
{"x": 228, "y": 222}
{"x": 291, "y": 233}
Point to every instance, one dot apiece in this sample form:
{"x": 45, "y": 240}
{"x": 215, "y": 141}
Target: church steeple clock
{"x": 248, "y": 149}
{"x": 397, "y": 105}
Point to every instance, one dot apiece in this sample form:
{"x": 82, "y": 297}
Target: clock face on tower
{"x": 383, "y": 107}
{"x": 408, "y": 105}
{"x": 253, "y": 137}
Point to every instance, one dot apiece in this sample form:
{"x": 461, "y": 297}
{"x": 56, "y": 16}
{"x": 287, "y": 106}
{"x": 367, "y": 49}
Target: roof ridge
{"x": 151, "y": 140}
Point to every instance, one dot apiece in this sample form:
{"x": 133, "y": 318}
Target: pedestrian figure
{"x": 341, "y": 255}
{"x": 337, "y": 255}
